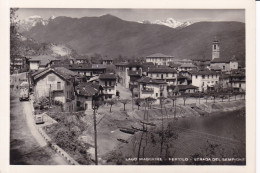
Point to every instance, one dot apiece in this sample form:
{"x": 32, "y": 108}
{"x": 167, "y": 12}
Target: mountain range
{"x": 112, "y": 36}
{"x": 170, "y": 22}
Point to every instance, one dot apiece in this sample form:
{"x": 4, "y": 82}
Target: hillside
{"x": 109, "y": 35}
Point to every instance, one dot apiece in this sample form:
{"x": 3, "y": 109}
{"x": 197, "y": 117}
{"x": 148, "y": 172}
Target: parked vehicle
{"x": 24, "y": 91}
{"x": 39, "y": 119}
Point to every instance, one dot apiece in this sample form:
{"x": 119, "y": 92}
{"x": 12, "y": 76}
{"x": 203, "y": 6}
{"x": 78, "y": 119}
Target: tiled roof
{"x": 61, "y": 71}
{"x": 182, "y": 87}
{"x": 86, "y": 89}
{"x": 220, "y": 60}
{"x": 162, "y": 70}
{"x": 134, "y": 73}
{"x": 204, "y": 72}
{"x": 43, "y": 59}
{"x": 150, "y": 80}
{"x": 107, "y": 76}
{"x": 188, "y": 65}
{"x": 159, "y": 55}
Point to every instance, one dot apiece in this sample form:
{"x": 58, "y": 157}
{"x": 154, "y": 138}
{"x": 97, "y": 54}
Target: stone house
{"x": 107, "y": 61}
{"x": 166, "y": 74}
{"x": 224, "y": 64}
{"x": 86, "y": 94}
{"x": 187, "y": 67}
{"x": 56, "y": 84}
{"x": 148, "y": 87}
{"x": 41, "y": 62}
{"x": 127, "y": 69}
{"x": 182, "y": 89}
{"x": 108, "y": 82}
{"x": 238, "y": 80}
{"x": 205, "y": 79}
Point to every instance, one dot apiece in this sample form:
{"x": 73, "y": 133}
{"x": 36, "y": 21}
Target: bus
{"x": 24, "y": 91}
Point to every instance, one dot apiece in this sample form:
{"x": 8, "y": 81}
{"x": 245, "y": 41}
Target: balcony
{"x": 147, "y": 90}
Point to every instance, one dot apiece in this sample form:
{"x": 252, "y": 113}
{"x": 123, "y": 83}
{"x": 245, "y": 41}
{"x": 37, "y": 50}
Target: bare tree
{"x": 111, "y": 103}
{"x": 124, "y": 102}
{"x": 184, "y": 97}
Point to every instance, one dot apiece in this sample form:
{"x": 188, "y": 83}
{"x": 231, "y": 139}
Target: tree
{"x": 138, "y": 102}
{"x": 150, "y": 101}
{"x": 124, "y": 102}
{"x": 111, "y": 103}
{"x": 184, "y": 97}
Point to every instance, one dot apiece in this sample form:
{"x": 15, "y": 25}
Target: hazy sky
{"x": 139, "y": 14}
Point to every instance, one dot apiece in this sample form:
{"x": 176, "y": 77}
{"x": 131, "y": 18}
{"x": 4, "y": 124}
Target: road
{"x": 27, "y": 146}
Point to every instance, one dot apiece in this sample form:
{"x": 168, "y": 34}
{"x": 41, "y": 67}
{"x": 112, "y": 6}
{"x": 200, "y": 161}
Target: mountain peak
{"x": 170, "y": 22}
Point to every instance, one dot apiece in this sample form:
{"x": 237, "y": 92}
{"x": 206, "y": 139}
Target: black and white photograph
{"x": 128, "y": 86}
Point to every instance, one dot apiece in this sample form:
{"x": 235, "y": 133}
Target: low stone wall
{"x": 55, "y": 147}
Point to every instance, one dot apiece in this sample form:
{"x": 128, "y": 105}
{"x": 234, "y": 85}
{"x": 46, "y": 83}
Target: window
{"x": 202, "y": 83}
{"x": 166, "y": 74}
{"x": 161, "y": 94}
{"x": 156, "y": 94}
{"x": 78, "y": 103}
{"x": 196, "y": 76}
{"x": 215, "y": 46}
{"x": 105, "y": 83}
{"x": 203, "y": 76}
{"x": 58, "y": 85}
{"x": 110, "y": 83}
{"x": 223, "y": 67}
{"x": 240, "y": 85}
{"x": 109, "y": 90}
{"x": 157, "y": 75}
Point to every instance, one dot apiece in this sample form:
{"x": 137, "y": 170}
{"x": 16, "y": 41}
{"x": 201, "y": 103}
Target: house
{"x": 86, "y": 94}
{"x": 41, "y": 62}
{"x": 205, "y": 79}
{"x": 159, "y": 59}
{"x": 165, "y": 73}
{"x": 18, "y": 63}
{"x": 224, "y": 64}
{"x": 127, "y": 69}
{"x": 201, "y": 63}
{"x": 183, "y": 80}
{"x": 148, "y": 87}
{"x": 146, "y": 66}
{"x": 181, "y": 89}
{"x": 80, "y": 60}
{"x": 55, "y": 84}
{"x": 108, "y": 82}
{"x": 182, "y": 61}
{"x": 107, "y": 61}
{"x": 87, "y": 70}
{"x": 187, "y": 67}
{"x": 238, "y": 80}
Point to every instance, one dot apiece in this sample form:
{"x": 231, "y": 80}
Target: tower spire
{"x": 215, "y": 48}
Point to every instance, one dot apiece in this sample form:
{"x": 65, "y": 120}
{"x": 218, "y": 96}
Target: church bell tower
{"x": 215, "y": 49}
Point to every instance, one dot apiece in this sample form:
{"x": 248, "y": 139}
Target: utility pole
{"x": 95, "y": 134}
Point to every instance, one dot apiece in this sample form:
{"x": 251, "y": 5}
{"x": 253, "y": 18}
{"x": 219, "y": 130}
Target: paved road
{"x": 27, "y": 146}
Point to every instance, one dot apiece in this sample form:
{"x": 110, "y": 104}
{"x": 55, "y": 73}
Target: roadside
{"x": 27, "y": 146}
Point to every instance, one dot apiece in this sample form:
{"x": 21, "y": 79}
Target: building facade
{"x": 159, "y": 59}
{"x": 148, "y": 87}
{"x": 108, "y": 82}
{"x": 205, "y": 80}
{"x": 56, "y": 84}
{"x": 165, "y": 74}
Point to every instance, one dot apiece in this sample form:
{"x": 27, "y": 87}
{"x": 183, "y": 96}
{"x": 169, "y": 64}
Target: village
{"x": 110, "y": 100}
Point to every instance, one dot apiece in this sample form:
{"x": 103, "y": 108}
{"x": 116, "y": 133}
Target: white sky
{"x": 139, "y": 14}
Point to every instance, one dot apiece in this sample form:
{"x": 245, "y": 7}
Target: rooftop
{"x": 159, "y": 55}
{"x": 87, "y": 89}
{"x": 43, "y": 59}
{"x": 182, "y": 87}
{"x": 188, "y": 66}
{"x": 60, "y": 71}
{"x": 148, "y": 80}
{"x": 107, "y": 76}
{"x": 204, "y": 72}
{"x": 161, "y": 70}
{"x": 220, "y": 60}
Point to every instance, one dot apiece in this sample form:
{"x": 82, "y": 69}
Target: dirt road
{"x": 27, "y": 146}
